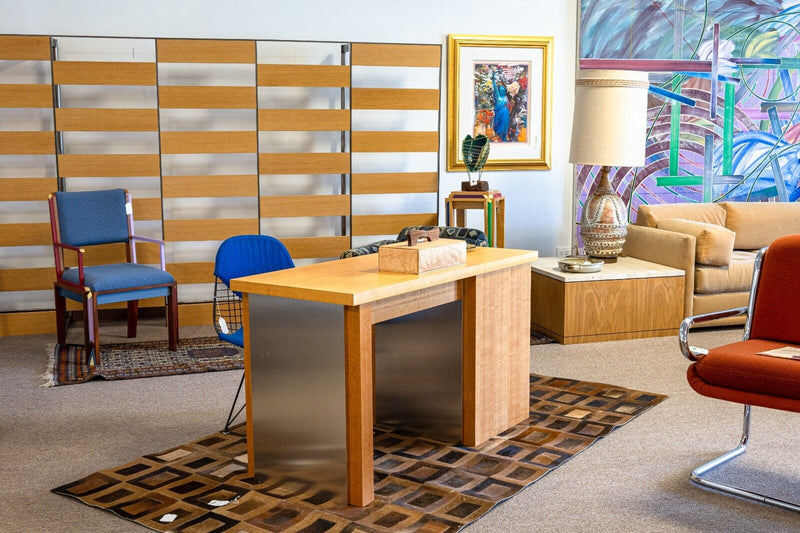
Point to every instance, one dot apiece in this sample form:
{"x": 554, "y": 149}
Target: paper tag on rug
{"x": 787, "y": 352}
{"x": 218, "y": 503}
{"x": 167, "y": 518}
{"x": 223, "y": 325}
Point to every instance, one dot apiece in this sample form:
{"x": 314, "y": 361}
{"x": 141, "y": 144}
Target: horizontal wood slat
{"x": 303, "y": 119}
{"x": 27, "y": 142}
{"x": 215, "y": 229}
{"x": 76, "y": 119}
{"x": 394, "y": 98}
{"x": 305, "y": 206}
{"x": 27, "y": 323}
{"x": 209, "y": 186}
{"x": 316, "y": 247}
{"x": 26, "y": 95}
{"x": 27, "y": 279}
{"x": 146, "y": 253}
{"x": 147, "y": 208}
{"x": 147, "y": 302}
{"x": 187, "y": 273}
{"x": 303, "y": 75}
{"x": 396, "y": 55}
{"x": 209, "y": 142}
{"x": 304, "y": 163}
{"x": 108, "y": 165}
{"x": 180, "y": 97}
{"x": 393, "y": 183}
{"x": 24, "y": 47}
{"x": 103, "y": 73}
{"x": 389, "y": 224}
{"x": 205, "y": 51}
{"x": 26, "y": 189}
{"x": 27, "y": 234}
{"x": 394, "y": 141}
{"x": 195, "y": 314}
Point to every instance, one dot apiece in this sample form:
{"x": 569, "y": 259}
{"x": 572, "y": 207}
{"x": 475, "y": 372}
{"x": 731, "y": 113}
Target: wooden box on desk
{"x": 422, "y": 257}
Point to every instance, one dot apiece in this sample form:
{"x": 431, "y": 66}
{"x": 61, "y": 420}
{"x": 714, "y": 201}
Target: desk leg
{"x": 358, "y": 380}
{"x": 496, "y": 357}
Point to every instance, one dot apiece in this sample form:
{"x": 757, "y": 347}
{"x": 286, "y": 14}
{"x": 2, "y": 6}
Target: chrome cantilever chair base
{"x": 698, "y": 473}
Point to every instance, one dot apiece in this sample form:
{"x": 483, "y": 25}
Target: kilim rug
{"x": 540, "y": 338}
{"x": 420, "y": 484}
{"x": 67, "y": 363}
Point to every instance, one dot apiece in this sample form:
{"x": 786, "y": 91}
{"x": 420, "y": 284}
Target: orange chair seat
{"x": 736, "y": 372}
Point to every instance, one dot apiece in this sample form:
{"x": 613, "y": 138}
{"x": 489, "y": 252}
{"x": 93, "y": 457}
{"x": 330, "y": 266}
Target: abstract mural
{"x": 724, "y": 104}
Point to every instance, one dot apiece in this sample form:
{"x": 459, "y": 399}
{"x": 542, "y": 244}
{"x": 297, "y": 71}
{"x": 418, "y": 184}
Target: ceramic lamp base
{"x": 604, "y": 221}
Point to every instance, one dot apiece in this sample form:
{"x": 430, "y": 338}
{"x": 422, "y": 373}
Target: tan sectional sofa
{"x": 715, "y": 244}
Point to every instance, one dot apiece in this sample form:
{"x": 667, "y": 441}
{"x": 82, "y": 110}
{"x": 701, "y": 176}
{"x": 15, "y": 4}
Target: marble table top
{"x": 624, "y": 268}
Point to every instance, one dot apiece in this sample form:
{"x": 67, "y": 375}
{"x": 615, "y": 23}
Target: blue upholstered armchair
{"x": 474, "y": 237}
{"x": 88, "y": 218}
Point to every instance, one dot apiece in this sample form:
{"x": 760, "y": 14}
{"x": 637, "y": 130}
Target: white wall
{"x": 538, "y": 205}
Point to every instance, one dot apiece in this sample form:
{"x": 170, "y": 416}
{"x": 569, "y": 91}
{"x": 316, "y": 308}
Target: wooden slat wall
{"x": 394, "y": 99}
{"x": 309, "y": 120}
{"x": 36, "y": 145}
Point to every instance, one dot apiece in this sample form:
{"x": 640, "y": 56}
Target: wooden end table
{"x": 494, "y": 212}
{"x": 629, "y": 299}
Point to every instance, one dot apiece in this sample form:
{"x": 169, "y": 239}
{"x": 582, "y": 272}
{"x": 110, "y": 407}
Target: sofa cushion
{"x": 714, "y": 243}
{"x": 650, "y": 215}
{"x": 737, "y": 276}
{"x": 757, "y": 224}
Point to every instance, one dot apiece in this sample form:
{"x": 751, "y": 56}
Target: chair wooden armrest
{"x": 159, "y": 242}
{"x": 59, "y": 267}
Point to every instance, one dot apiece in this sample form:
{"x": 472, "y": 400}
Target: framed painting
{"x": 500, "y": 86}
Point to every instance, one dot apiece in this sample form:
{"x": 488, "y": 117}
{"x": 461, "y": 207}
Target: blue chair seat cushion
{"x": 119, "y": 276}
{"x": 237, "y": 337}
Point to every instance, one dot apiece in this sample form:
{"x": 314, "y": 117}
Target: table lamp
{"x": 608, "y": 129}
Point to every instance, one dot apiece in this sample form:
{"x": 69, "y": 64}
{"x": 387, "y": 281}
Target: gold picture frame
{"x": 489, "y": 57}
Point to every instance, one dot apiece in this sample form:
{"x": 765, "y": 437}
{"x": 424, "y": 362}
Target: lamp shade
{"x": 610, "y": 120}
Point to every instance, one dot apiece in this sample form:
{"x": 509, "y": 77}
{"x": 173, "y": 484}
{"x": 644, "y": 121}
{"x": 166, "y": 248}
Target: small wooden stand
{"x": 494, "y": 212}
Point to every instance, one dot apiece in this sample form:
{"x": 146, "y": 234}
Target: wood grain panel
{"x": 304, "y": 163}
{"x": 389, "y": 224}
{"x": 147, "y": 208}
{"x": 396, "y": 55}
{"x": 27, "y": 142}
{"x": 26, "y": 95}
{"x": 314, "y": 247}
{"x": 209, "y": 186}
{"x": 180, "y": 97}
{"x": 394, "y": 98}
{"x": 27, "y": 323}
{"x": 303, "y": 75}
{"x": 27, "y": 279}
{"x": 405, "y": 304}
{"x": 209, "y": 142}
{"x": 147, "y": 302}
{"x": 28, "y": 234}
{"x": 394, "y": 141}
{"x": 108, "y": 165}
{"x": 102, "y": 254}
{"x": 103, "y": 73}
{"x": 195, "y": 314}
{"x": 24, "y": 47}
{"x": 192, "y": 272}
{"x": 358, "y": 403}
{"x": 391, "y": 183}
{"x": 26, "y": 189}
{"x": 205, "y": 51}
{"x": 305, "y": 206}
{"x": 77, "y": 119}
{"x": 303, "y": 119}
{"x": 215, "y": 229}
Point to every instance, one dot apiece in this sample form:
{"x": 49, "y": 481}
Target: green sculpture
{"x": 475, "y": 151}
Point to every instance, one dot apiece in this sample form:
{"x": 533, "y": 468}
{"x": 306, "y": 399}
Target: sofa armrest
{"x": 670, "y": 248}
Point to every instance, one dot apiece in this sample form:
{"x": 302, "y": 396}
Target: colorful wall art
{"x": 501, "y": 101}
{"x": 735, "y": 64}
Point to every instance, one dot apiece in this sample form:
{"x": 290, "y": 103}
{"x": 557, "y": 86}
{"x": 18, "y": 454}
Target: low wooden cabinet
{"x": 629, "y": 299}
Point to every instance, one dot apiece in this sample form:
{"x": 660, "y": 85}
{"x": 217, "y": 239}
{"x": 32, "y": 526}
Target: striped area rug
{"x": 420, "y": 484}
{"x": 67, "y": 363}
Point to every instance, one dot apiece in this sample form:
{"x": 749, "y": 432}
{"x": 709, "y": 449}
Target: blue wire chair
{"x": 242, "y": 255}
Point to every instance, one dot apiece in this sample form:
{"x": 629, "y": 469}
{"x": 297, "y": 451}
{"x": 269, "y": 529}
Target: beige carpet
{"x": 636, "y": 481}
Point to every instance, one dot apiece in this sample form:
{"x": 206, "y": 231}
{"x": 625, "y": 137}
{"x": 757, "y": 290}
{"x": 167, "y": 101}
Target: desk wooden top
{"x": 356, "y": 280}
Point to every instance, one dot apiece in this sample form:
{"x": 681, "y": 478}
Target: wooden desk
{"x": 310, "y": 355}
{"x": 493, "y": 205}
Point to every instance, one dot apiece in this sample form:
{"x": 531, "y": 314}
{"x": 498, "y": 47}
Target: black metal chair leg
{"x": 231, "y": 416}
